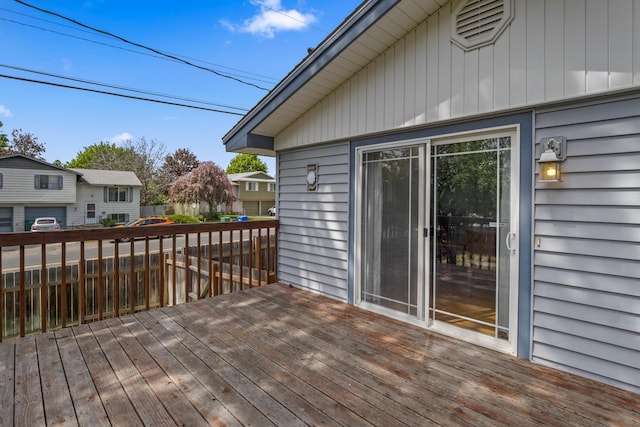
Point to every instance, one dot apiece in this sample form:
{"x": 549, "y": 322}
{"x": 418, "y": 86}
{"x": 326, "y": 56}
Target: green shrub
{"x": 183, "y": 219}
{"x": 109, "y": 222}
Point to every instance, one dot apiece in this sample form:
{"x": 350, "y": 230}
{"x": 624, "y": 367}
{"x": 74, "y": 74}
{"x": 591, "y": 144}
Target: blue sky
{"x": 257, "y": 41}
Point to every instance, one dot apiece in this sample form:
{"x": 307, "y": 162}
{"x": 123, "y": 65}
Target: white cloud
{"x": 271, "y": 19}
{"x": 5, "y": 112}
{"x": 122, "y": 137}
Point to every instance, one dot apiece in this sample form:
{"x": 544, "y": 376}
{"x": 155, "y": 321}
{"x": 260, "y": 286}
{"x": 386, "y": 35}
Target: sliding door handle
{"x": 510, "y": 235}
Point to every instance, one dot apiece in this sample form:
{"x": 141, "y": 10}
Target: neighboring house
{"x": 105, "y": 194}
{"x": 255, "y": 192}
{"x": 407, "y": 145}
{"x": 31, "y": 188}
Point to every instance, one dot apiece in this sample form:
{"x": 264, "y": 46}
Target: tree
{"x": 207, "y": 183}
{"x": 176, "y": 165}
{"x": 4, "y": 139}
{"x": 22, "y": 143}
{"x": 145, "y": 158}
{"x": 142, "y": 157}
{"x": 103, "y": 155}
{"x": 246, "y": 163}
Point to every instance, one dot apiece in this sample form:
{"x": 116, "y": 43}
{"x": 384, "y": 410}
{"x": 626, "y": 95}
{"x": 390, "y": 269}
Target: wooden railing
{"x": 52, "y": 280}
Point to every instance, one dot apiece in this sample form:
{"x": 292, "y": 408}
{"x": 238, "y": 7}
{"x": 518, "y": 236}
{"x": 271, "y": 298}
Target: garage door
{"x": 31, "y": 213}
{"x": 251, "y": 208}
{"x": 6, "y": 220}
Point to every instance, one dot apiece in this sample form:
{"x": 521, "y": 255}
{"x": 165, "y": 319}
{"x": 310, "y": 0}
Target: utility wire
{"x": 142, "y": 46}
{"x": 245, "y": 74}
{"x": 121, "y": 87}
{"x": 24, "y": 79}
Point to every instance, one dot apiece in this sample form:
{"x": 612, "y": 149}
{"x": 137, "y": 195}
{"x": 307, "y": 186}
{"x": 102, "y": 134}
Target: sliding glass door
{"x": 471, "y": 216}
{"x": 390, "y": 229}
{"x": 437, "y": 233}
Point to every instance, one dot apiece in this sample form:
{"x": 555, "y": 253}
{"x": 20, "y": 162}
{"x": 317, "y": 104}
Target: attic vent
{"x": 477, "y": 23}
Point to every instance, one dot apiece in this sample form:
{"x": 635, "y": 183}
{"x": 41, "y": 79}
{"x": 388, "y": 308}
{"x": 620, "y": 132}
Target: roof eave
{"x": 240, "y": 138}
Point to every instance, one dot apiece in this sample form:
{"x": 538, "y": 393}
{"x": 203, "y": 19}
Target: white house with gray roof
{"x": 31, "y": 188}
{"x": 105, "y": 194}
{"x": 408, "y": 148}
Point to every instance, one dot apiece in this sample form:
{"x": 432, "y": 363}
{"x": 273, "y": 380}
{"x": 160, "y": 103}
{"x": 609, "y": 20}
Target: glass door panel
{"x": 470, "y": 205}
{"x": 389, "y": 230}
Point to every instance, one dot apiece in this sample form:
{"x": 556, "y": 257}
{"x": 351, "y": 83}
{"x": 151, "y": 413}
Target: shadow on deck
{"x": 279, "y": 356}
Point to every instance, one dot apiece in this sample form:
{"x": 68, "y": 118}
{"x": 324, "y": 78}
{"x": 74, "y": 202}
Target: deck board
{"x": 7, "y": 356}
{"x": 280, "y": 356}
{"x": 57, "y": 398}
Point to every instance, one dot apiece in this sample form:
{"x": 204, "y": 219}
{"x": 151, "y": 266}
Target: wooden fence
{"x": 186, "y": 262}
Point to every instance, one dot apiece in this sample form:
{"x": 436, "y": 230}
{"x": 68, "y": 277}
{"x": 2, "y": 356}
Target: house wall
{"x": 95, "y": 194}
{"x": 586, "y": 295}
{"x": 18, "y": 187}
{"x": 586, "y": 298}
{"x": 552, "y": 50}
{"x": 314, "y": 225}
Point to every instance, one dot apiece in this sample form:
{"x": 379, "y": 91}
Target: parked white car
{"x": 45, "y": 224}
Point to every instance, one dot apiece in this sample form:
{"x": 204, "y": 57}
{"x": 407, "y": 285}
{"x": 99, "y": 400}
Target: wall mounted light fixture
{"x": 554, "y": 154}
{"x": 312, "y": 177}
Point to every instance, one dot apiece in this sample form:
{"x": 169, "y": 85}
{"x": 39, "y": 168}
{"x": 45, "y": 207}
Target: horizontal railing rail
{"x": 55, "y": 279}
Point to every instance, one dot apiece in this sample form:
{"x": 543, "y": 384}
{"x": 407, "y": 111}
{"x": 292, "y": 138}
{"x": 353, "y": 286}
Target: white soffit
{"x": 393, "y": 26}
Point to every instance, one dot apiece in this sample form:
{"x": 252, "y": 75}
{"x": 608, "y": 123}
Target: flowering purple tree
{"x": 207, "y": 183}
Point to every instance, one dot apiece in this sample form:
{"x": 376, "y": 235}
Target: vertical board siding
{"x": 314, "y": 226}
{"x": 552, "y": 50}
{"x": 586, "y": 304}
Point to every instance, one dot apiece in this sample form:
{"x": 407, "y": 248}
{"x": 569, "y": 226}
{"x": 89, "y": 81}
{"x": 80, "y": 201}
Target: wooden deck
{"x": 279, "y": 356}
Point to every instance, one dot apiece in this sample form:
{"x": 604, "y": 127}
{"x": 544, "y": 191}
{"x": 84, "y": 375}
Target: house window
{"x": 118, "y": 194}
{"x": 272, "y": 186}
{"x": 1, "y": 180}
{"x": 48, "y": 182}
{"x": 120, "y": 217}
{"x": 252, "y": 186}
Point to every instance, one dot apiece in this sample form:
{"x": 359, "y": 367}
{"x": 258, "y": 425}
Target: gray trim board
{"x": 524, "y": 120}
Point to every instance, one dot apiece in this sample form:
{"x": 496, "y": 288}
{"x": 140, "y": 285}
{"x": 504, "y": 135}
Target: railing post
{"x": 211, "y": 266}
{"x": 199, "y": 266}
{"x": 231, "y": 260}
{"x": 220, "y": 269}
{"x": 116, "y": 278}
{"x": 174, "y": 269}
{"x": 1, "y": 297}
{"x": 132, "y": 272}
{"x": 187, "y": 275}
{"x": 251, "y": 258}
{"x": 147, "y": 275}
{"x": 23, "y": 303}
{"x": 161, "y": 279}
{"x": 100, "y": 279}
{"x": 275, "y": 248}
{"x": 241, "y": 266}
{"x": 43, "y": 289}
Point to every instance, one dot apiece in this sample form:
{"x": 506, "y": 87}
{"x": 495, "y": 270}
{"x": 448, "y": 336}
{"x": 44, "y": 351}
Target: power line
{"x": 75, "y": 79}
{"x": 24, "y": 79}
{"x": 142, "y": 46}
{"x": 244, "y": 74}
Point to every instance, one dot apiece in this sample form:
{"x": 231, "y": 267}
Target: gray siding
{"x": 586, "y": 302}
{"x": 314, "y": 226}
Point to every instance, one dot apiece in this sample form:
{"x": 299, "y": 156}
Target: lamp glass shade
{"x": 550, "y": 172}
{"x": 549, "y": 167}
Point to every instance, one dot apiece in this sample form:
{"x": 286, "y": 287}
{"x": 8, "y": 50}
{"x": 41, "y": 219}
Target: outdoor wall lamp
{"x": 554, "y": 154}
